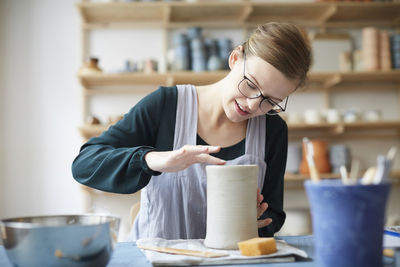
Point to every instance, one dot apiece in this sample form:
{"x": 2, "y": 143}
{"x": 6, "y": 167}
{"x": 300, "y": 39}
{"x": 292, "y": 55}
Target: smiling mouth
{"x": 241, "y": 109}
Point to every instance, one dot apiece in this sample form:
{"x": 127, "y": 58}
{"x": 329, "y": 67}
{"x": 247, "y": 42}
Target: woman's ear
{"x": 235, "y": 55}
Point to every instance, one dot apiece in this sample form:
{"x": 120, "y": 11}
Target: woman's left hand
{"x": 261, "y": 208}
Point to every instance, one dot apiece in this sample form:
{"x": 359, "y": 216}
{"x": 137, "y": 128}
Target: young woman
{"x": 163, "y": 144}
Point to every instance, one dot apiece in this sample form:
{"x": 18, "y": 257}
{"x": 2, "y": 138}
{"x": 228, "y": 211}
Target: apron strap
{"x": 255, "y": 136}
{"x": 186, "y": 116}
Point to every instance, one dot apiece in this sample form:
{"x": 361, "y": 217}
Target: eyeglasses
{"x": 248, "y": 89}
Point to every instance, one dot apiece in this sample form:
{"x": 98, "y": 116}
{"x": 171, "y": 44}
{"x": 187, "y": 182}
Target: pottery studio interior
{"x": 76, "y": 74}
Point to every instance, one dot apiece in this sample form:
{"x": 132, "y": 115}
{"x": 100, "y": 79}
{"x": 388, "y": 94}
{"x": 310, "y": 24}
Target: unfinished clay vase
{"x": 231, "y": 205}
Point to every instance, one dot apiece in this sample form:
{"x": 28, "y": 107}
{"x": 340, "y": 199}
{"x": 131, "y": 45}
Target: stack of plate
{"x": 385, "y": 60}
{"x": 395, "y": 50}
{"x": 370, "y": 49}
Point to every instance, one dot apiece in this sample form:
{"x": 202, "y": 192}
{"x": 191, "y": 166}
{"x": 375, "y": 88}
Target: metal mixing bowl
{"x": 61, "y": 240}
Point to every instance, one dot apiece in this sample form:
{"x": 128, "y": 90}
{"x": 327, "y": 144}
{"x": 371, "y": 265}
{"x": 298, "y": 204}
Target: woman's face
{"x": 260, "y": 75}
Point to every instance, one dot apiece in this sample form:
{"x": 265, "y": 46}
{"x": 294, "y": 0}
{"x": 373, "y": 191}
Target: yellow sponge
{"x": 257, "y": 246}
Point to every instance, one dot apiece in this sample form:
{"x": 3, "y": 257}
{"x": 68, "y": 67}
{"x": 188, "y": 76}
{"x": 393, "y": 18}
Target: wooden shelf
{"x": 380, "y": 129}
{"x": 103, "y": 15}
{"x": 328, "y": 80}
{"x": 362, "y": 76}
{"x": 105, "y": 79}
{"x": 197, "y": 78}
{"x": 290, "y": 177}
{"x": 345, "y": 14}
{"x": 234, "y": 14}
{"x": 302, "y": 177}
{"x": 135, "y": 78}
{"x": 325, "y": 130}
{"x": 343, "y": 126}
{"x": 320, "y": 80}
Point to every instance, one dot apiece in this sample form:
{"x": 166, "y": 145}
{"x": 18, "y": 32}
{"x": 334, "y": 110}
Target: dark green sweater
{"x": 114, "y": 161}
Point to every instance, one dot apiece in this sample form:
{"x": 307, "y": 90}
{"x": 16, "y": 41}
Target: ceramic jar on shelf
{"x": 372, "y": 115}
{"x": 225, "y": 49}
{"x": 312, "y": 116}
{"x": 181, "y": 60}
{"x": 339, "y": 155}
{"x": 351, "y": 115}
{"x": 214, "y": 62}
{"x": 395, "y": 50}
{"x": 333, "y": 116}
{"x": 321, "y": 157}
{"x": 197, "y": 50}
{"x": 91, "y": 66}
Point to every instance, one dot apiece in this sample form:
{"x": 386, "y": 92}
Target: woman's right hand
{"x": 177, "y": 160}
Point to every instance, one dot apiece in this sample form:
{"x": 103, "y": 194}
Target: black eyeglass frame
{"x": 272, "y": 111}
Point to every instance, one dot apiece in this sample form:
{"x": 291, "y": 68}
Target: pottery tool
{"x": 391, "y": 153}
{"x": 354, "y": 170}
{"x": 382, "y": 169}
{"x": 384, "y": 165}
{"x": 310, "y": 160}
{"x": 368, "y": 176}
{"x": 187, "y": 252}
{"x": 344, "y": 176}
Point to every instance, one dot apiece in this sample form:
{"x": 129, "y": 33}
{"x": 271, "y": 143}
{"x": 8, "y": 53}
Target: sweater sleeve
{"x": 276, "y": 155}
{"x": 114, "y": 161}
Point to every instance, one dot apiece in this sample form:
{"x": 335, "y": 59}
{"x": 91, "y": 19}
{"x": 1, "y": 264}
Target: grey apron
{"x": 174, "y": 205}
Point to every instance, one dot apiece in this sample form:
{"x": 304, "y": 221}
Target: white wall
{"x": 40, "y": 109}
{"x": 2, "y": 23}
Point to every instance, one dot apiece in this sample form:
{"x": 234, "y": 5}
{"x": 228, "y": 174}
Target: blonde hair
{"x": 284, "y": 46}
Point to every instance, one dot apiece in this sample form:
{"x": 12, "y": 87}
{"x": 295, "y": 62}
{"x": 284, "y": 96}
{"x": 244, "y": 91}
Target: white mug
{"x": 312, "y": 116}
{"x": 372, "y": 115}
{"x": 333, "y": 116}
{"x": 351, "y": 115}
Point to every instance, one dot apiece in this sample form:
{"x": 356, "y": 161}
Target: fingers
{"x": 199, "y": 154}
{"x": 189, "y": 150}
{"x": 176, "y": 160}
{"x": 260, "y": 197}
{"x": 261, "y": 209}
{"x": 263, "y": 223}
{"x": 205, "y": 158}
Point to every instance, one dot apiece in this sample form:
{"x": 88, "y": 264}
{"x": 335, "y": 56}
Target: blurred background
{"x": 72, "y": 68}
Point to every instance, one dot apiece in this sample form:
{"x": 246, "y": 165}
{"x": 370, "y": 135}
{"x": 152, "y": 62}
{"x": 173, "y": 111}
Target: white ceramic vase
{"x": 231, "y": 205}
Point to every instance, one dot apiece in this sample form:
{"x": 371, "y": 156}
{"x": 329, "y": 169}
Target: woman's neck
{"x": 210, "y": 103}
{"x": 213, "y": 126}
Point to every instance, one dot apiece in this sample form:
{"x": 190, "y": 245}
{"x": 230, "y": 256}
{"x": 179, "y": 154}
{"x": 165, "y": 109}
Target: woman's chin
{"x": 234, "y": 117}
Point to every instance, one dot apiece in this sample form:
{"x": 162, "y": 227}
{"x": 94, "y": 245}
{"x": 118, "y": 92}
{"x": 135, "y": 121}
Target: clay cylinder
{"x": 231, "y": 205}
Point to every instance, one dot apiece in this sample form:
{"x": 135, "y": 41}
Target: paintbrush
{"x": 384, "y": 165}
{"x": 354, "y": 170}
{"x": 344, "y": 176}
{"x": 310, "y": 160}
{"x": 368, "y": 176}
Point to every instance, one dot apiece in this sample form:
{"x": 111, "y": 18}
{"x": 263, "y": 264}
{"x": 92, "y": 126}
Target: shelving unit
{"x": 244, "y": 14}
